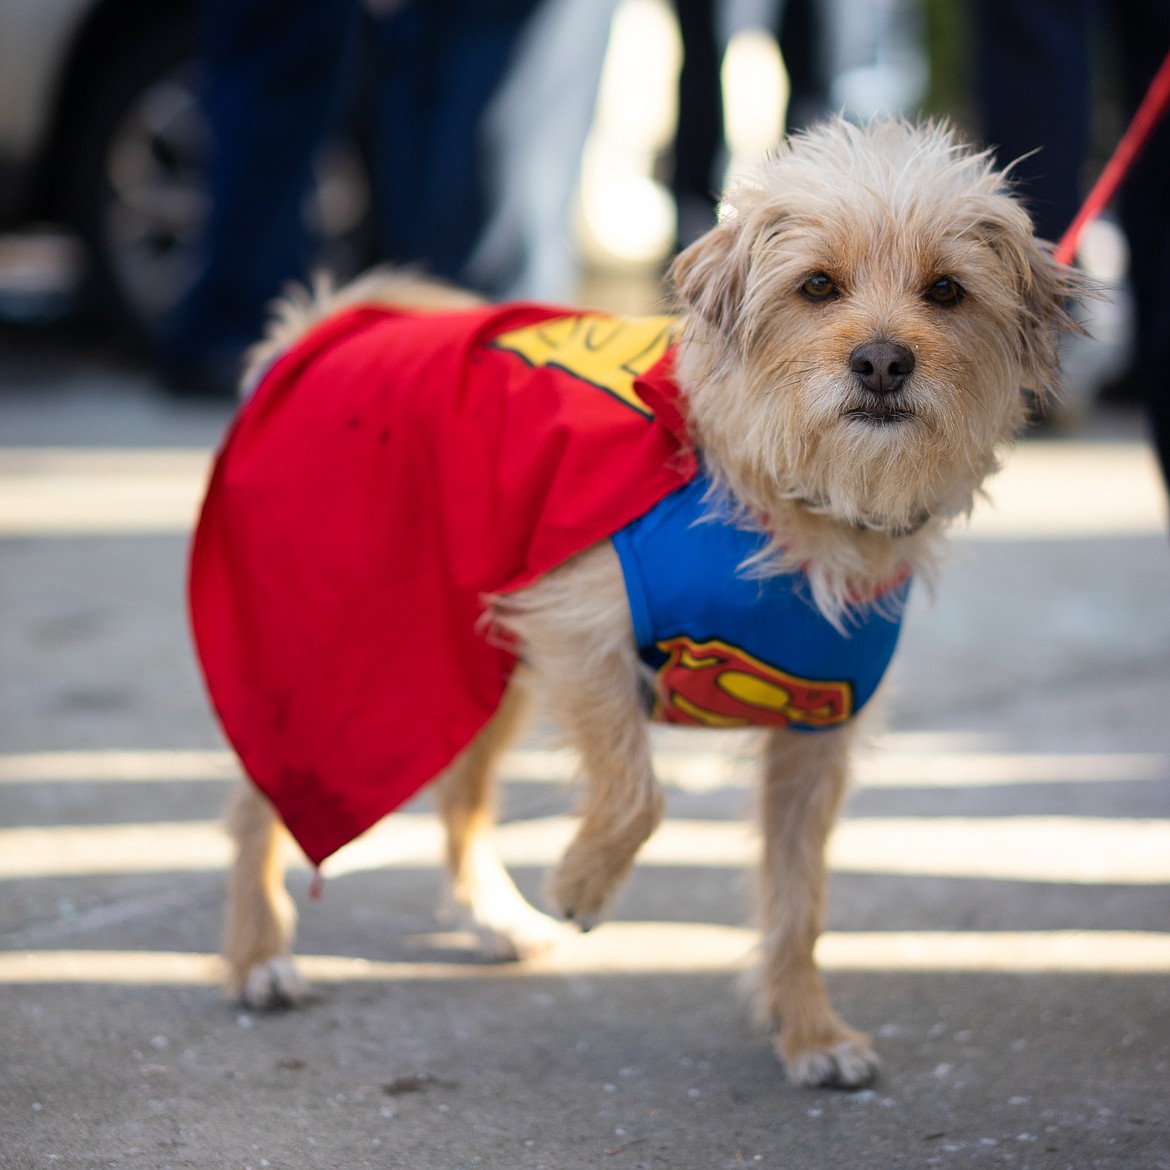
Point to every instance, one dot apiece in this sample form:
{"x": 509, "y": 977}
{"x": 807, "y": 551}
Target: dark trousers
{"x": 284, "y": 76}
{"x": 1034, "y": 84}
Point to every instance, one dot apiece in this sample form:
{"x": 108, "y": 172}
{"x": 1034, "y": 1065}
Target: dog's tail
{"x": 301, "y": 307}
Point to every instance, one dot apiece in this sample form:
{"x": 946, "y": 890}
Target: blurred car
{"x": 100, "y": 131}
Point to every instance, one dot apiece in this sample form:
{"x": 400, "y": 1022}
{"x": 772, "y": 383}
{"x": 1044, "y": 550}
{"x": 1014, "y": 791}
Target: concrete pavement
{"x": 1000, "y": 905}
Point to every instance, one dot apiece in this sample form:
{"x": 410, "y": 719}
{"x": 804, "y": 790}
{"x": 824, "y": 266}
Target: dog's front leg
{"x": 622, "y": 802}
{"x": 804, "y": 780}
{"x": 481, "y": 890}
{"x": 578, "y": 639}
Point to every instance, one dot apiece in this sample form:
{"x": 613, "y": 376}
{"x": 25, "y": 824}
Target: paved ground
{"x": 1000, "y": 913}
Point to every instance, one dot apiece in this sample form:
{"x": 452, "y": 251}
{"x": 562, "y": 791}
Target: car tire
{"x": 133, "y": 172}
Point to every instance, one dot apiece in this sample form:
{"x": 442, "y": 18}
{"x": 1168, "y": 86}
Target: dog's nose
{"x": 882, "y": 366}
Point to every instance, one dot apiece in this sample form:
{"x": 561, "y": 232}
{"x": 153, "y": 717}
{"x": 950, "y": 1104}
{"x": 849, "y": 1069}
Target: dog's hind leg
{"x": 485, "y": 897}
{"x": 577, "y": 636}
{"x": 261, "y": 919}
{"x": 805, "y": 775}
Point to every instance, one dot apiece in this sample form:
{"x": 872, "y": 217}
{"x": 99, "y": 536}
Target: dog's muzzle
{"x": 882, "y": 367}
{"x": 881, "y": 370}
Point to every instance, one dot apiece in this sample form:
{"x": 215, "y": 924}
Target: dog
{"x": 854, "y": 346}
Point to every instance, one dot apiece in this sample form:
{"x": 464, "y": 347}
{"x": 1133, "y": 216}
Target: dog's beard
{"x": 885, "y": 463}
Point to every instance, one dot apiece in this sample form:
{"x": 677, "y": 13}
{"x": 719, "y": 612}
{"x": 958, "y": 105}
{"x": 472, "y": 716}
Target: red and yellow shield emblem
{"x": 714, "y": 684}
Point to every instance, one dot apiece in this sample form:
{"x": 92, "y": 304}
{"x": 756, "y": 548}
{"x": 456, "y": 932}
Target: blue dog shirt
{"x": 732, "y": 651}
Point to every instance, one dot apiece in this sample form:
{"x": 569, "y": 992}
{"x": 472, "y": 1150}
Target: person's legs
{"x": 1033, "y": 88}
{"x": 699, "y": 138}
{"x": 1144, "y": 39}
{"x": 802, "y": 36}
{"x": 436, "y": 70}
{"x": 277, "y": 76}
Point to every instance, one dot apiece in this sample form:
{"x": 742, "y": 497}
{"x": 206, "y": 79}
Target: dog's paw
{"x": 580, "y": 891}
{"x": 576, "y": 905}
{"x": 275, "y": 983}
{"x": 848, "y": 1064}
{"x": 506, "y": 926}
{"x": 524, "y": 933}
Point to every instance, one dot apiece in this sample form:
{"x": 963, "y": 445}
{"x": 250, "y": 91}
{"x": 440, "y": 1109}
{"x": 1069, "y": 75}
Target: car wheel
{"x": 138, "y": 193}
{"x": 135, "y": 174}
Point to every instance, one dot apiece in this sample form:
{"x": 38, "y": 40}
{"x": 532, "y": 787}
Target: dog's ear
{"x": 1051, "y": 292}
{"x": 710, "y": 275}
{"x": 1047, "y": 293}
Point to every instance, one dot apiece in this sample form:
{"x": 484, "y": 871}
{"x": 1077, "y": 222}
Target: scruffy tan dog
{"x": 854, "y": 337}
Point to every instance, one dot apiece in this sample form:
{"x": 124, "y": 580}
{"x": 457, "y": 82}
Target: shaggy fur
{"x": 855, "y": 336}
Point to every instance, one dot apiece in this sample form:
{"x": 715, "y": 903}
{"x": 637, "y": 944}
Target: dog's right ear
{"x": 710, "y": 275}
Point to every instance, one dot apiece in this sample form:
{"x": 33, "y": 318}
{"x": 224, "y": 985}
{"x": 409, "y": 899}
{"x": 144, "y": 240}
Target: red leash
{"x": 1149, "y": 114}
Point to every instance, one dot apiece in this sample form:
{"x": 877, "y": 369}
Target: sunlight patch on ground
{"x": 646, "y": 948}
{"x": 899, "y": 761}
{"x": 1039, "y": 849}
{"x": 1062, "y": 488}
{"x": 59, "y": 491}
{"x": 116, "y": 765}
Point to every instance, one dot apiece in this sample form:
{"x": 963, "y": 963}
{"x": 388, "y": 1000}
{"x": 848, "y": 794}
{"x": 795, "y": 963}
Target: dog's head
{"x": 860, "y": 325}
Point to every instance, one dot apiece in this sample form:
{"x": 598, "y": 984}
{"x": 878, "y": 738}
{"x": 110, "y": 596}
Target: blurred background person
{"x": 700, "y": 148}
{"x": 1041, "y": 68}
{"x": 853, "y": 56}
{"x": 416, "y": 81}
{"x": 474, "y": 140}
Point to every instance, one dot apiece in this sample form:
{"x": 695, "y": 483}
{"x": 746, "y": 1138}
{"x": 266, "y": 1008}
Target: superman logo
{"x": 610, "y": 353}
{"x": 713, "y": 684}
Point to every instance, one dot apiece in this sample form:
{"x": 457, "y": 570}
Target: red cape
{"x": 390, "y": 471}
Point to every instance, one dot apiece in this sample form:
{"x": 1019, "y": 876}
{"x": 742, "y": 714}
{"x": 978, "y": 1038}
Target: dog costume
{"x": 393, "y": 471}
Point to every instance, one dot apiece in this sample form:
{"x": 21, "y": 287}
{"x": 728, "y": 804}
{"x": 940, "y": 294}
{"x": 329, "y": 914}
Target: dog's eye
{"x": 818, "y": 288}
{"x": 944, "y": 291}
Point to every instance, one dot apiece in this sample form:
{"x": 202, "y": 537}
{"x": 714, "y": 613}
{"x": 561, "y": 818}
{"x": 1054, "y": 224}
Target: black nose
{"x": 882, "y": 366}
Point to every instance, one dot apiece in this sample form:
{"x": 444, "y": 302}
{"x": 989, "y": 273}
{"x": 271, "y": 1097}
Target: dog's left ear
{"x": 1051, "y": 293}
{"x": 710, "y": 275}
{"x": 1047, "y": 293}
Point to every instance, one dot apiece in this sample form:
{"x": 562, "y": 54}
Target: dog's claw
{"x": 583, "y": 922}
{"x": 272, "y": 985}
{"x": 848, "y": 1065}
